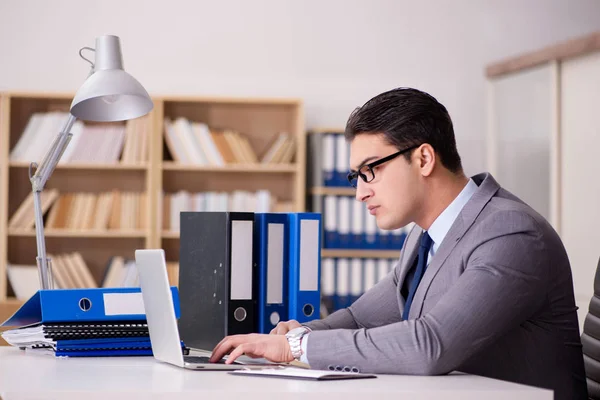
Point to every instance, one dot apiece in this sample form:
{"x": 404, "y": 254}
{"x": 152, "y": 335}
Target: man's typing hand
{"x": 273, "y": 348}
{"x": 284, "y": 327}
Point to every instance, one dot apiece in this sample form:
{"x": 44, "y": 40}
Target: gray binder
{"x": 218, "y": 277}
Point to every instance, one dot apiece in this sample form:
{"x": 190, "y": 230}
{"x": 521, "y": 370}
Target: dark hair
{"x": 408, "y": 117}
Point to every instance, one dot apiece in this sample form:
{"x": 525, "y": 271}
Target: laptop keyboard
{"x": 203, "y": 360}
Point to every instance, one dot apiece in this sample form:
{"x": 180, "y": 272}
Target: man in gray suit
{"x": 483, "y": 284}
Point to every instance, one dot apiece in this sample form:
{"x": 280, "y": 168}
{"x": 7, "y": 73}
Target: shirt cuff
{"x": 303, "y": 347}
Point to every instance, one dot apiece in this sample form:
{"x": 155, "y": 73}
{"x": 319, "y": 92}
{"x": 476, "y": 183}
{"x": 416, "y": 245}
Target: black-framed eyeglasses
{"x": 366, "y": 171}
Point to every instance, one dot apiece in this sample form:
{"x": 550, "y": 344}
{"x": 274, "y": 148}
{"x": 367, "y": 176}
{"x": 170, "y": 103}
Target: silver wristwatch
{"x": 294, "y": 338}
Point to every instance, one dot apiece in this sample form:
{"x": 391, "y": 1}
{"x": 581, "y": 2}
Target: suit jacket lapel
{"x": 487, "y": 189}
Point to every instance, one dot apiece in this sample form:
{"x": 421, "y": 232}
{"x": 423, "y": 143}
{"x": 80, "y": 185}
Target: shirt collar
{"x": 444, "y": 221}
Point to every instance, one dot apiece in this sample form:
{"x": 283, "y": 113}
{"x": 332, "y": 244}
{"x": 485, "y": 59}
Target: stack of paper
{"x": 87, "y": 322}
{"x": 84, "y": 339}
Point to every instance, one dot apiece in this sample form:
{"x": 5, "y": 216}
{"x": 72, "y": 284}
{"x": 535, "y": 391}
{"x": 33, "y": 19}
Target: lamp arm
{"x": 38, "y": 181}
{"x": 52, "y": 157}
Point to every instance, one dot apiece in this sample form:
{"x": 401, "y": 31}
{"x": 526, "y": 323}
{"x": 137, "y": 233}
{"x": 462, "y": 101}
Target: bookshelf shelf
{"x": 253, "y": 126}
{"x": 66, "y": 233}
{"x": 359, "y": 253}
{"x": 170, "y": 235}
{"x": 334, "y": 191}
{"x": 12, "y": 301}
{"x": 241, "y": 168}
{"x": 116, "y": 167}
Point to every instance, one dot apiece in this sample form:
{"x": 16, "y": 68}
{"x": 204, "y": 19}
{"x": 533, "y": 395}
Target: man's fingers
{"x": 216, "y": 353}
{"x": 219, "y": 352}
{"x": 225, "y": 346}
{"x": 245, "y": 348}
{"x": 281, "y": 329}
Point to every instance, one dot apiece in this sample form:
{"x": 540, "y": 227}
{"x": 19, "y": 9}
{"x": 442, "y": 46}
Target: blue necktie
{"x": 421, "y": 266}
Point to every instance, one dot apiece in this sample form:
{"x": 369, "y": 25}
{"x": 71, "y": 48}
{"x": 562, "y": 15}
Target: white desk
{"x": 30, "y": 376}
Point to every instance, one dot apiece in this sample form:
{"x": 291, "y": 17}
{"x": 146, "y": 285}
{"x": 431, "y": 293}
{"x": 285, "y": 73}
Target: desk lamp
{"x": 108, "y": 94}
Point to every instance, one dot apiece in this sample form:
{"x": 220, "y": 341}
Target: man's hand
{"x": 273, "y": 348}
{"x": 284, "y": 327}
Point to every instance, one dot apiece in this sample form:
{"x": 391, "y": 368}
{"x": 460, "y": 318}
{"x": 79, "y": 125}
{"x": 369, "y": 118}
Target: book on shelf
{"x": 91, "y": 143}
{"x": 85, "y": 211}
{"x": 344, "y": 280}
{"x": 329, "y": 159}
{"x": 24, "y": 216}
{"x": 24, "y": 280}
{"x": 281, "y": 151}
{"x": 239, "y": 200}
{"x": 348, "y": 225}
{"x": 69, "y": 270}
{"x": 195, "y": 143}
{"x": 122, "y": 272}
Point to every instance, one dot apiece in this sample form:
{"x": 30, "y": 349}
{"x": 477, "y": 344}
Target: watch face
{"x": 297, "y": 332}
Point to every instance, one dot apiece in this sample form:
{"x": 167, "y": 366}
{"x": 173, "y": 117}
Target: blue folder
{"x": 104, "y": 353}
{"x": 105, "y": 347}
{"x": 271, "y": 242}
{"x": 305, "y": 266}
{"x": 104, "y": 344}
{"x": 83, "y": 305}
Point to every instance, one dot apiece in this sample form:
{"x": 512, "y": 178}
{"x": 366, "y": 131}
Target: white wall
{"x": 580, "y": 139}
{"x": 333, "y": 54}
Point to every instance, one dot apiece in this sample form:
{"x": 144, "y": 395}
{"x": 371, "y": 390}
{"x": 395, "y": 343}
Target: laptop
{"x": 160, "y": 315}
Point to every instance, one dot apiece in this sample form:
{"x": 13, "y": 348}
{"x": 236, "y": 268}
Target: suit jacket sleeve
{"x": 360, "y": 314}
{"x": 502, "y": 285}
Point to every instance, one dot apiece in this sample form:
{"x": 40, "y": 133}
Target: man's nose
{"x": 363, "y": 192}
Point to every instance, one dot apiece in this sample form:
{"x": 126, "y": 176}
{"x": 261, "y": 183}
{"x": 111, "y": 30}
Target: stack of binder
{"x": 83, "y": 323}
{"x": 245, "y": 272}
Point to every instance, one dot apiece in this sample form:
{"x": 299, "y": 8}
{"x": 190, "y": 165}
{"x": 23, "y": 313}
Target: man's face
{"x": 392, "y": 195}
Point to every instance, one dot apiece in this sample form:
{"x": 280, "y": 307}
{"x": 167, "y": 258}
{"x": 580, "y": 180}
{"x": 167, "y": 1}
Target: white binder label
{"x": 241, "y": 260}
{"x": 309, "y": 254}
{"x": 123, "y": 304}
{"x": 275, "y": 264}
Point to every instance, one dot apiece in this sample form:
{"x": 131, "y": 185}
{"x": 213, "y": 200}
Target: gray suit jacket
{"x": 496, "y": 300}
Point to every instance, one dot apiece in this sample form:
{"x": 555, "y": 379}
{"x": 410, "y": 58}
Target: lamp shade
{"x": 110, "y": 93}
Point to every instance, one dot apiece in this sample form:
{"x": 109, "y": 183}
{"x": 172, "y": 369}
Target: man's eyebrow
{"x": 363, "y": 162}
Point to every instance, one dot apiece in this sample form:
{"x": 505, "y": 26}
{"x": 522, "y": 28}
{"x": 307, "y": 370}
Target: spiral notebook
{"x": 297, "y": 373}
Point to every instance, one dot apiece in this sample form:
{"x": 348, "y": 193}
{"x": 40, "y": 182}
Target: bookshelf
{"x": 352, "y": 261}
{"x": 317, "y": 189}
{"x": 156, "y": 172}
{"x": 259, "y": 121}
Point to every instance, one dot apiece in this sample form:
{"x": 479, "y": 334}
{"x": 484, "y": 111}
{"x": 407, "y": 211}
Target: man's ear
{"x": 426, "y": 158}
